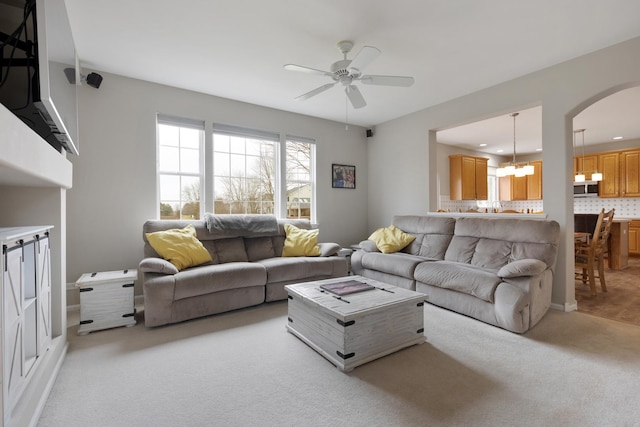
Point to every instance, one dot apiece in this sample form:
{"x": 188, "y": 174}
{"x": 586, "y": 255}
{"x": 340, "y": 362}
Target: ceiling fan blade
{"x": 315, "y": 92}
{"x": 294, "y": 67}
{"x": 366, "y": 55}
{"x": 354, "y": 95}
{"x": 387, "y": 80}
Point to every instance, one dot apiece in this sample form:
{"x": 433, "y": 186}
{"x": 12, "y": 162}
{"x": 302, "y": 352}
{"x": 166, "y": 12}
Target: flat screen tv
{"x": 39, "y": 70}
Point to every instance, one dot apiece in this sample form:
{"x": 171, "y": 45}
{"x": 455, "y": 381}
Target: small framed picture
{"x": 343, "y": 176}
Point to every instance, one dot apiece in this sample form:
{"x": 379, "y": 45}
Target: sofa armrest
{"x": 329, "y": 249}
{"x": 369, "y": 246}
{"x": 157, "y": 265}
{"x": 522, "y": 267}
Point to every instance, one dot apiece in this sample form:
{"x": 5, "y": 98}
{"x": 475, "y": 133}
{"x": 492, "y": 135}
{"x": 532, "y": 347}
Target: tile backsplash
{"x": 625, "y": 207}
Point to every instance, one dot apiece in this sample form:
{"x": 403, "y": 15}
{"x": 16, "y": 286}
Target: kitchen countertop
{"x": 489, "y": 215}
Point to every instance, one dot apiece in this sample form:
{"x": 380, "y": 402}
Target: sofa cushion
{"x": 259, "y": 248}
{"x": 179, "y": 246}
{"x": 491, "y": 254}
{"x": 157, "y": 265}
{"x": 300, "y": 242}
{"x": 328, "y": 248}
{"x": 522, "y": 267}
{"x": 459, "y": 277}
{"x": 433, "y": 234}
{"x": 398, "y": 264}
{"x": 230, "y": 250}
{"x": 206, "y": 279}
{"x": 288, "y": 269}
{"x": 391, "y": 239}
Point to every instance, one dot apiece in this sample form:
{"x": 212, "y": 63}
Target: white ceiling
{"x": 237, "y": 49}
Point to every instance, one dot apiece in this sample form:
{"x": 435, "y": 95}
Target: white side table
{"x": 106, "y": 300}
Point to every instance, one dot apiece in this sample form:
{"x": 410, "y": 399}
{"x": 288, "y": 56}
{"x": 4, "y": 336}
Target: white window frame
{"x": 162, "y": 119}
{"x": 312, "y": 174}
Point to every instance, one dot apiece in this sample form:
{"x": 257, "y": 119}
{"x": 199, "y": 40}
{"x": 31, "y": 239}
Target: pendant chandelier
{"x": 580, "y": 176}
{"x": 512, "y": 168}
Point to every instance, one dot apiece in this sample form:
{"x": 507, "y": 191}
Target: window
{"x": 233, "y": 170}
{"x": 492, "y": 186}
{"x": 299, "y": 177}
{"x": 180, "y": 169}
{"x": 258, "y": 172}
{"x": 244, "y": 172}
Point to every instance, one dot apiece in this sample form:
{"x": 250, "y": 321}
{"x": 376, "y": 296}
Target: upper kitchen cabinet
{"x": 468, "y": 177}
{"x": 511, "y": 188}
{"x": 630, "y": 173}
{"x": 609, "y": 166}
{"x": 528, "y": 187}
{"x": 586, "y": 164}
{"x": 534, "y": 182}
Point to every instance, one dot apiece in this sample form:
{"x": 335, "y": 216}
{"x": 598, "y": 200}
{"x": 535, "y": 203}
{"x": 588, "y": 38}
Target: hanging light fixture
{"x": 512, "y": 168}
{"x": 580, "y": 177}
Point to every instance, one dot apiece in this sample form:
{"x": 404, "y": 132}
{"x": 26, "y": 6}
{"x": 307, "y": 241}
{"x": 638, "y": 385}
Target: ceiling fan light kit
{"x": 349, "y": 71}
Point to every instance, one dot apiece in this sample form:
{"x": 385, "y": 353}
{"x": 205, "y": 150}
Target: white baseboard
{"x": 566, "y": 307}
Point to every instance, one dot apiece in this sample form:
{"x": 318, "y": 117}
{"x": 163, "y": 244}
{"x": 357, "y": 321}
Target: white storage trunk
{"x": 106, "y": 300}
{"x": 370, "y": 325}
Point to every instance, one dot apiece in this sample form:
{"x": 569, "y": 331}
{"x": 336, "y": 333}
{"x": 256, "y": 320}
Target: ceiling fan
{"x": 348, "y": 71}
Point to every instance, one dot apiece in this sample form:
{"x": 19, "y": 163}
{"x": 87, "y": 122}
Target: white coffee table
{"x": 356, "y": 328}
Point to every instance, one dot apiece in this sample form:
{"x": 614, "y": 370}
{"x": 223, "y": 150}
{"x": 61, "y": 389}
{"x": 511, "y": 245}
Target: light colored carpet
{"x": 244, "y": 369}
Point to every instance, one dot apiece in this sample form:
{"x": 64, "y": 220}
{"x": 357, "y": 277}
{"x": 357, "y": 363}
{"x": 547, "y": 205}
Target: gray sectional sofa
{"x": 246, "y": 269}
{"x": 496, "y": 270}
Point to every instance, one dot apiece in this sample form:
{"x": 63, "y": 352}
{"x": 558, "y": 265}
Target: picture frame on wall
{"x": 343, "y": 176}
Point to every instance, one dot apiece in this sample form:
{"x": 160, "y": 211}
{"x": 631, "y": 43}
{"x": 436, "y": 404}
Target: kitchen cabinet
{"x": 26, "y": 307}
{"x": 468, "y": 177}
{"x": 609, "y": 166}
{"x": 528, "y": 187}
{"x": 534, "y": 182}
{"x": 634, "y": 237}
{"x": 587, "y": 165}
{"x": 630, "y": 173}
{"x": 512, "y": 188}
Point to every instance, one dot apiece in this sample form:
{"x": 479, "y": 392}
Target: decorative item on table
{"x": 346, "y": 288}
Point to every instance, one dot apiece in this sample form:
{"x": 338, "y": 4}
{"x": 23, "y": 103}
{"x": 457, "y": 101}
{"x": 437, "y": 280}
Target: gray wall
{"x": 114, "y": 183}
{"x": 406, "y": 149}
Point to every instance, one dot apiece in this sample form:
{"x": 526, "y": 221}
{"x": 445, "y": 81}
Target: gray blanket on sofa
{"x": 238, "y": 222}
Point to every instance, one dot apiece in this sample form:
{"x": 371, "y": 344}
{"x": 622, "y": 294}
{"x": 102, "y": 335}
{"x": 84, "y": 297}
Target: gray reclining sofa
{"x": 499, "y": 271}
{"x": 246, "y": 269}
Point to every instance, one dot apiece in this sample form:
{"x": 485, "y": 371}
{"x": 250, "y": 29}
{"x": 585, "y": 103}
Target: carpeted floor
{"x": 244, "y": 369}
{"x": 621, "y": 301}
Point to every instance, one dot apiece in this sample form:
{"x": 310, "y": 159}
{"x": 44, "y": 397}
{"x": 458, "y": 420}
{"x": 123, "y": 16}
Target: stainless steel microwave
{"x": 585, "y": 189}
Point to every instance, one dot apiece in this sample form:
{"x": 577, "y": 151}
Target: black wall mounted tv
{"x": 39, "y": 70}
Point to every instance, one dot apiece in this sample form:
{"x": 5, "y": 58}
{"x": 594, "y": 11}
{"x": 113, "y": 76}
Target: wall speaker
{"x": 369, "y": 133}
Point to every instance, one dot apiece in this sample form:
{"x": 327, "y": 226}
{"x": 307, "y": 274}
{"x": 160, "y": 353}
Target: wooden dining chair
{"x": 590, "y": 255}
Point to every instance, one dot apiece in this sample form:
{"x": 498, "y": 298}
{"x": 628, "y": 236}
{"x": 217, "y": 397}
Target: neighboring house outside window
{"x": 180, "y": 167}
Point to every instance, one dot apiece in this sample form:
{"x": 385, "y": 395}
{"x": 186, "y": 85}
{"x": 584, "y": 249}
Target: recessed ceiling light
{"x": 617, "y": 137}
{"x": 499, "y": 151}
{"x": 483, "y": 145}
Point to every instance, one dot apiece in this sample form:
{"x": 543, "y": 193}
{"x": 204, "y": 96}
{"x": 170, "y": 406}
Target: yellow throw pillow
{"x": 180, "y": 247}
{"x": 300, "y": 242}
{"x": 391, "y": 239}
